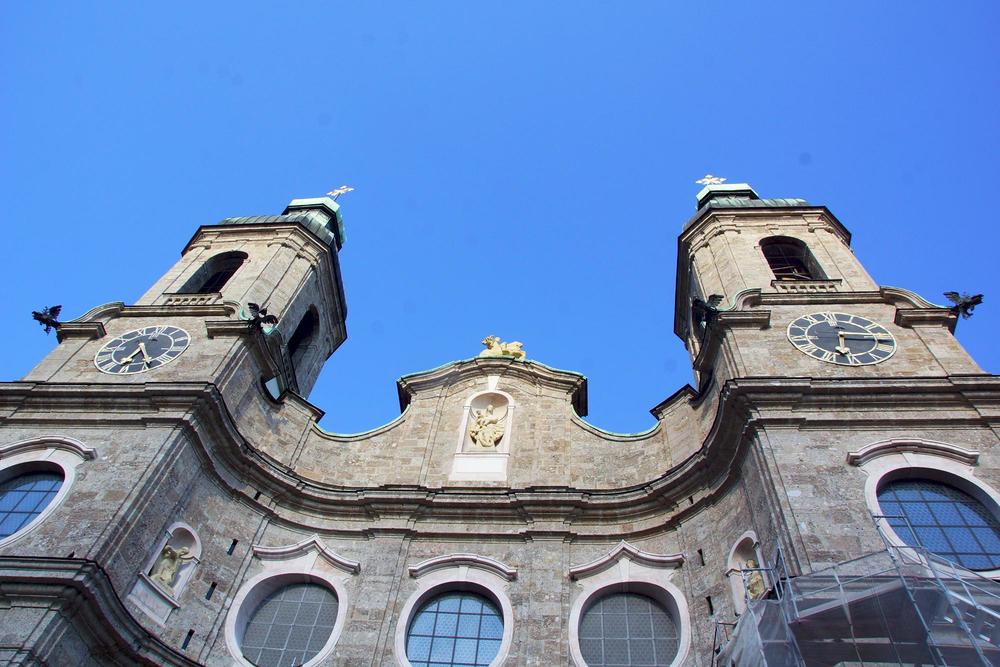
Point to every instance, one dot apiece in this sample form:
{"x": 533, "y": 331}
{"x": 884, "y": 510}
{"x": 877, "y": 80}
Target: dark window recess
{"x": 711, "y": 607}
{"x": 215, "y": 273}
{"x": 211, "y": 590}
{"x": 256, "y": 496}
{"x": 232, "y": 547}
{"x": 300, "y": 341}
{"x": 790, "y": 259}
{"x": 72, "y": 554}
{"x": 701, "y": 556}
{"x": 187, "y": 640}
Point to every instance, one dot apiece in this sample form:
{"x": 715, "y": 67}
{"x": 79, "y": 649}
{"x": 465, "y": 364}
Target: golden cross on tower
{"x": 343, "y": 189}
{"x": 708, "y": 179}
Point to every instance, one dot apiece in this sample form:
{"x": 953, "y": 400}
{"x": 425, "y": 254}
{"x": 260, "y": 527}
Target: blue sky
{"x": 522, "y": 168}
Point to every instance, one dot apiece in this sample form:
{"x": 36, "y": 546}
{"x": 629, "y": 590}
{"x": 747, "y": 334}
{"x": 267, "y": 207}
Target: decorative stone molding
{"x": 92, "y": 608}
{"x": 626, "y": 550}
{"x": 310, "y": 544}
{"x": 84, "y": 330}
{"x": 934, "y": 317}
{"x": 806, "y": 286}
{"x": 463, "y": 560}
{"x": 913, "y": 445}
{"x": 184, "y": 299}
{"x": 58, "y": 442}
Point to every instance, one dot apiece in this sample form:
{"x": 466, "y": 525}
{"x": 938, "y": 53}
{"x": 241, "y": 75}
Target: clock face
{"x": 142, "y": 350}
{"x": 839, "y": 338}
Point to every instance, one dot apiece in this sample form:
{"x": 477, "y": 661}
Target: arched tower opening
{"x": 790, "y": 259}
{"x": 215, "y": 273}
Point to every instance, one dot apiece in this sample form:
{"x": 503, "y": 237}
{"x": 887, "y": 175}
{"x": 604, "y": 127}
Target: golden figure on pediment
{"x": 496, "y": 348}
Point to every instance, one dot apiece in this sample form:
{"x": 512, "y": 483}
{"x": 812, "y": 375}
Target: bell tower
{"x": 748, "y": 268}
{"x": 287, "y": 263}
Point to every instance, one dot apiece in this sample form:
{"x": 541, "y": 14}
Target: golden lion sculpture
{"x": 496, "y": 348}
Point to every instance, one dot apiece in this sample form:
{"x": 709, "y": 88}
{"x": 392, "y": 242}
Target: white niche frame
{"x": 627, "y": 568}
{"x": 458, "y": 572}
{"x": 746, "y": 545}
{"x": 47, "y": 453}
{"x": 308, "y": 561}
{"x": 154, "y": 599}
{"x": 918, "y": 458}
{"x": 472, "y": 463}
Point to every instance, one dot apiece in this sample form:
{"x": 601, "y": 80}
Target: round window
{"x": 455, "y": 628}
{"x": 625, "y": 629}
{"x": 290, "y": 626}
{"x": 943, "y": 520}
{"x": 24, "y": 497}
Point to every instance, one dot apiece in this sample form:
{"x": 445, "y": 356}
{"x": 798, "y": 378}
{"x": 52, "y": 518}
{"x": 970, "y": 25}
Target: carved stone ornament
{"x": 487, "y": 427}
{"x": 496, "y": 348}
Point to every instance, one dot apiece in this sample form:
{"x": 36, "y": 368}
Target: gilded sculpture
{"x": 487, "y": 427}
{"x": 496, "y": 348}
{"x": 164, "y": 572}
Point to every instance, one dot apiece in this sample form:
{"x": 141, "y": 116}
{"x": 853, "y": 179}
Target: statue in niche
{"x": 756, "y": 589}
{"x": 164, "y": 571}
{"x": 496, "y": 348}
{"x": 487, "y": 427}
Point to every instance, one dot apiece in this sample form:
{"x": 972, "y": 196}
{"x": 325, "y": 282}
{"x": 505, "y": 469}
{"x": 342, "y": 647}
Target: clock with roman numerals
{"x": 840, "y": 338}
{"x": 142, "y": 350}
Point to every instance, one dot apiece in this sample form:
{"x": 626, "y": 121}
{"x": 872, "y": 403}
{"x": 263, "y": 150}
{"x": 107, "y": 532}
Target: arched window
{"x": 943, "y": 520}
{"x": 627, "y": 628}
{"x": 215, "y": 273}
{"x": 790, "y": 259}
{"x": 303, "y": 336}
{"x": 23, "y": 499}
{"x": 290, "y": 626}
{"x": 455, "y": 628}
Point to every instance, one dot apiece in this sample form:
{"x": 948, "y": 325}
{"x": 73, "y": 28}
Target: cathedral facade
{"x": 827, "y": 493}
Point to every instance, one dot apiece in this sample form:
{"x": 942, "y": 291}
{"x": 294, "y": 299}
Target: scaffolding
{"x": 899, "y": 606}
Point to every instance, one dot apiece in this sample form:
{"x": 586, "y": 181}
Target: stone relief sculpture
{"x": 496, "y": 348}
{"x": 487, "y": 428}
{"x": 756, "y": 589}
{"x": 164, "y": 571}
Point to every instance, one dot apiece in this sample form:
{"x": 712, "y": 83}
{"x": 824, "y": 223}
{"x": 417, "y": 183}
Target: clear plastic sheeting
{"x": 902, "y": 606}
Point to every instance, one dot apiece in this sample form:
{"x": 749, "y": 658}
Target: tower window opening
{"x": 790, "y": 259}
{"x": 303, "y": 336}
{"x": 215, "y": 273}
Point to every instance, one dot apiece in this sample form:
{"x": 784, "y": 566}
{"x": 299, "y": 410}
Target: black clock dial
{"x": 142, "y": 350}
{"x": 839, "y": 338}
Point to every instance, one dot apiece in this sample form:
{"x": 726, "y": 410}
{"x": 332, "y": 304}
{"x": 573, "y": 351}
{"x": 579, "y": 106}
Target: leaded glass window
{"x": 456, "y": 629}
{"x": 290, "y": 626}
{"x": 944, "y": 520}
{"x": 627, "y": 629}
{"x": 24, "y": 497}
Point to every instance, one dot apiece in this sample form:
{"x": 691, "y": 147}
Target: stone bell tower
{"x": 287, "y": 263}
{"x": 749, "y": 267}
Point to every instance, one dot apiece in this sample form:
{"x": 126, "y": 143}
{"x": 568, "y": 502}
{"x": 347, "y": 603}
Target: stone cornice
{"x": 913, "y": 446}
{"x": 83, "y": 593}
{"x": 463, "y": 560}
{"x": 626, "y": 550}
{"x": 70, "y": 445}
{"x": 574, "y": 384}
{"x": 560, "y": 512}
{"x": 312, "y": 543}
{"x": 84, "y": 330}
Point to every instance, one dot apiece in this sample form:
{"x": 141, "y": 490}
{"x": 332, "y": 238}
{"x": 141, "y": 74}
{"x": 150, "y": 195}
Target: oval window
{"x": 290, "y": 626}
{"x": 625, "y": 629}
{"x": 455, "y": 628}
{"x": 944, "y": 520}
{"x": 24, "y": 497}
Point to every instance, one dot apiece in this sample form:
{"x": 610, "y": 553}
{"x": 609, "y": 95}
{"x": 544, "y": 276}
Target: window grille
{"x": 457, "y": 629}
{"x": 24, "y": 497}
{"x": 627, "y": 629}
{"x": 291, "y": 626}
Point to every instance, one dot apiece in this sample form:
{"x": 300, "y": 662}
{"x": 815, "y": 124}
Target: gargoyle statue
{"x": 704, "y": 312}
{"x": 259, "y": 316}
{"x": 964, "y": 304}
{"x": 47, "y": 318}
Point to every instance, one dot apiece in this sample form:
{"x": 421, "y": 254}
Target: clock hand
{"x": 842, "y": 347}
{"x": 145, "y": 355}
